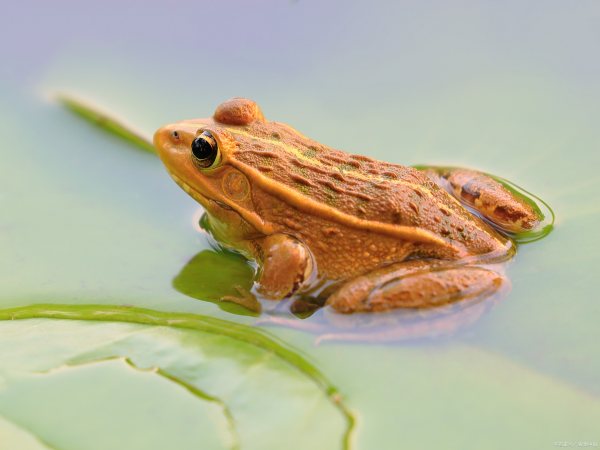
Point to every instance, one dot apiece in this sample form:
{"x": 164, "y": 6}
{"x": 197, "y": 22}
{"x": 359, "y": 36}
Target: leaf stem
{"x": 106, "y": 122}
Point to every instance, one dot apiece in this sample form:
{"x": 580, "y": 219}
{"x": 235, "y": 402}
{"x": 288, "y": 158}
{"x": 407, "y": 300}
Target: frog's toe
{"x": 423, "y": 289}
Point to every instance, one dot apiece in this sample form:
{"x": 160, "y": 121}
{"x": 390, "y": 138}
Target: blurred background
{"x": 511, "y": 88}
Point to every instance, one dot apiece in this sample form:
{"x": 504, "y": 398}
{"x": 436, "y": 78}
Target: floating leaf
{"x": 110, "y": 404}
{"x": 266, "y": 395}
{"x": 12, "y": 436}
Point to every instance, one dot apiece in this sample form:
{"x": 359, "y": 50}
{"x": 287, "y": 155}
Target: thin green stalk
{"x": 104, "y": 121}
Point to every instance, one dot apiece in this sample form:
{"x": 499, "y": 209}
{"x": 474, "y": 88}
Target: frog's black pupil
{"x": 202, "y": 149}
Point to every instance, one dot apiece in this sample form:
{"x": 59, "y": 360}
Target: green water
{"x": 509, "y": 89}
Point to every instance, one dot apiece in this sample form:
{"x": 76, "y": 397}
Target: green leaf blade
{"x": 106, "y": 122}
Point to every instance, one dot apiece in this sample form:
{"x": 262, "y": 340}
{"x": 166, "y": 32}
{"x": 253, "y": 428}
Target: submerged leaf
{"x": 199, "y": 280}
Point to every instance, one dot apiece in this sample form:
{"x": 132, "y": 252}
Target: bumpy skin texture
{"x": 288, "y": 201}
{"x": 492, "y": 199}
{"x": 414, "y": 285}
{"x": 238, "y": 111}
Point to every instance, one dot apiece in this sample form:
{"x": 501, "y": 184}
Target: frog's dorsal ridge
{"x": 354, "y": 190}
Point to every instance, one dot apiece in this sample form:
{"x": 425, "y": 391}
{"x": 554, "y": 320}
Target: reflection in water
{"x": 391, "y": 326}
{"x": 226, "y": 279}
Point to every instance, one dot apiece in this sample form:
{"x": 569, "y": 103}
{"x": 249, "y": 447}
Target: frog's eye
{"x": 205, "y": 150}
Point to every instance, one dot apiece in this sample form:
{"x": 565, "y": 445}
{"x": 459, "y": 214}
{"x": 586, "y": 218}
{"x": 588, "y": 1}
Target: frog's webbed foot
{"x": 286, "y": 265}
{"x": 244, "y": 298}
{"x": 489, "y": 197}
{"x": 415, "y": 284}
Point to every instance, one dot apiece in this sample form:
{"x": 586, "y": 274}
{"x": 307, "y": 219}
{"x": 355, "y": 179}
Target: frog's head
{"x": 200, "y": 156}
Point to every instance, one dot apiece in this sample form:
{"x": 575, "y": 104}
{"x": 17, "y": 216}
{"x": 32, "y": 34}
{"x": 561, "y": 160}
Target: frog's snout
{"x": 169, "y": 144}
{"x": 171, "y": 141}
{"x": 163, "y": 136}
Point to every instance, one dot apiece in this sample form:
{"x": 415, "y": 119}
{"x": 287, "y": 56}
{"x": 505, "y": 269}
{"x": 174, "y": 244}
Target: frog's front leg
{"x": 489, "y": 197}
{"x": 415, "y": 284}
{"x": 285, "y": 264}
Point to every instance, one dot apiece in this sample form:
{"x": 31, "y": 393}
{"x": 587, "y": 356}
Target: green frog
{"x": 363, "y": 235}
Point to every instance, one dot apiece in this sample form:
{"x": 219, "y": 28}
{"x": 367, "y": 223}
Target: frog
{"x": 363, "y": 235}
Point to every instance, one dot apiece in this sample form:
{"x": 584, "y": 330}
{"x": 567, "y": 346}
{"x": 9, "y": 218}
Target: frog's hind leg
{"x": 488, "y": 197}
{"x": 415, "y": 284}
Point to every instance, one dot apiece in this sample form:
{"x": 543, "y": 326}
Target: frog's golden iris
{"x": 387, "y": 235}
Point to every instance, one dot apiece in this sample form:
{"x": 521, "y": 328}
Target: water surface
{"x": 510, "y": 89}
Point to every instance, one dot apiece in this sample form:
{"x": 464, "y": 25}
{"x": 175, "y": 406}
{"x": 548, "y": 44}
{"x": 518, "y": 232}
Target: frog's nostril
{"x": 175, "y": 134}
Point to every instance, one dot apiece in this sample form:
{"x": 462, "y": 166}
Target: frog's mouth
{"x": 208, "y": 203}
{"x": 220, "y": 209}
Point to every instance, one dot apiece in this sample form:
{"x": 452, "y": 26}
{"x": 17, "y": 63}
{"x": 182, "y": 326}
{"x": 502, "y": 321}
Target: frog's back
{"x": 384, "y": 196}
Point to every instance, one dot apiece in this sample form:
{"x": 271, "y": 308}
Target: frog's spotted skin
{"x": 306, "y": 213}
{"x": 357, "y": 189}
{"x": 492, "y": 200}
